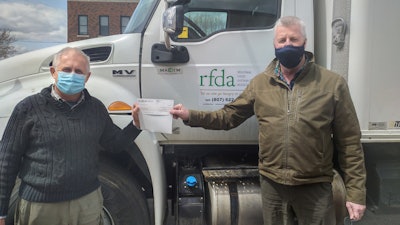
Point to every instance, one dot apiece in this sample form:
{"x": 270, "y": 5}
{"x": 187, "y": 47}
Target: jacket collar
{"x": 270, "y": 70}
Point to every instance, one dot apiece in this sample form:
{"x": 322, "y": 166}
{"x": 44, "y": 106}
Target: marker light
{"x": 119, "y": 106}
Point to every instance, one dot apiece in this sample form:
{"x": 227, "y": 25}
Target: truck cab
{"x": 201, "y": 53}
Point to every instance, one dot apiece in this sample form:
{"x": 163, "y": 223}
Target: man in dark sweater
{"x": 52, "y": 141}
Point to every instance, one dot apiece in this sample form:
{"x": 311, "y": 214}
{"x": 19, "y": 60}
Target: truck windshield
{"x": 140, "y": 16}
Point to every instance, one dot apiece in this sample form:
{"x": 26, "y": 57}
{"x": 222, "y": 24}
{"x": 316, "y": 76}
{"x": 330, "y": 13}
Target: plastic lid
{"x": 191, "y": 181}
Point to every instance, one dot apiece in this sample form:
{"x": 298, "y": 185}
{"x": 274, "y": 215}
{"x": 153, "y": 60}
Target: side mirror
{"x": 172, "y": 20}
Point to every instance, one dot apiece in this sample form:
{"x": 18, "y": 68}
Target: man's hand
{"x": 3, "y": 221}
{"x": 356, "y": 211}
{"x": 179, "y": 111}
{"x": 135, "y": 115}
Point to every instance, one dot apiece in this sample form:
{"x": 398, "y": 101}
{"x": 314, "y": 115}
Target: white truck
{"x": 198, "y": 176}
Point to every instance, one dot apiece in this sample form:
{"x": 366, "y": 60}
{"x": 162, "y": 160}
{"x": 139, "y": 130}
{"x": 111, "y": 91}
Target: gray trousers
{"x": 310, "y": 204}
{"x": 86, "y": 210}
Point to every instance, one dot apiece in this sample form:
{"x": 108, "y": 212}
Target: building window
{"x": 83, "y": 25}
{"x": 104, "y": 28}
{"x": 124, "y": 22}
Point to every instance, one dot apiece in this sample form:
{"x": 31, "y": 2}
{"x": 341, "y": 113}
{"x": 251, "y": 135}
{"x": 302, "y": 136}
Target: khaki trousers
{"x": 86, "y": 210}
{"x": 310, "y": 204}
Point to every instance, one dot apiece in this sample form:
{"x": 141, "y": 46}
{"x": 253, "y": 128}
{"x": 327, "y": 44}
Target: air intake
{"x": 98, "y": 54}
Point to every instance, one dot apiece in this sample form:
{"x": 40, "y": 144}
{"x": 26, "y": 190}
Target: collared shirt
{"x": 71, "y": 104}
{"x": 278, "y": 73}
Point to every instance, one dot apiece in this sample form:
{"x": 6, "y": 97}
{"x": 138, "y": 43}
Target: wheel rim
{"x": 107, "y": 218}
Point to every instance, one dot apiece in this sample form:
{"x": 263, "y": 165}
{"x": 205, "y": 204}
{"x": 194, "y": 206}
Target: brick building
{"x": 95, "y": 18}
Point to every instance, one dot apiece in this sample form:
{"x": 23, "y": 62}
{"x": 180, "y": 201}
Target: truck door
{"x": 228, "y": 42}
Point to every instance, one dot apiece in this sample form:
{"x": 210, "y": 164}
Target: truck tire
{"x": 124, "y": 200}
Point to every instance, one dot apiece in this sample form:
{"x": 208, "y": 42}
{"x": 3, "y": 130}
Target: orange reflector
{"x": 119, "y": 106}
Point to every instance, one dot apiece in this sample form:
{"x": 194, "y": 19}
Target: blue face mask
{"x": 289, "y": 56}
{"x": 70, "y": 83}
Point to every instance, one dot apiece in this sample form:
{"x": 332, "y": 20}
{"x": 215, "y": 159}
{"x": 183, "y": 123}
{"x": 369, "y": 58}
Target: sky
{"x": 34, "y": 23}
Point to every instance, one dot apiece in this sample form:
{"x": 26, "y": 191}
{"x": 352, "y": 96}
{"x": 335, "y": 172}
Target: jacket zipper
{"x": 289, "y": 96}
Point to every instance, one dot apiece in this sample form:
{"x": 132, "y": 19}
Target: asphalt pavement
{"x": 371, "y": 218}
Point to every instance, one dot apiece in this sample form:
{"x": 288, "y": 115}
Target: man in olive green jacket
{"x": 303, "y": 111}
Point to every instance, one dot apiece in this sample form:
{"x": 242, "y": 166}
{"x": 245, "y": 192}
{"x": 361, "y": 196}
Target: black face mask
{"x": 289, "y": 56}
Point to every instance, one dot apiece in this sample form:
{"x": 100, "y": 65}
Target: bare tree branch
{"x": 6, "y": 40}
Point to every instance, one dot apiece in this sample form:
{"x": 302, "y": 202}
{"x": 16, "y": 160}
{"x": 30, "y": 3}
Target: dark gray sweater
{"x": 55, "y": 149}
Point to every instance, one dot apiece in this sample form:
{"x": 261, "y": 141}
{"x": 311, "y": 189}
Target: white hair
{"x": 288, "y": 21}
{"x": 57, "y": 56}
